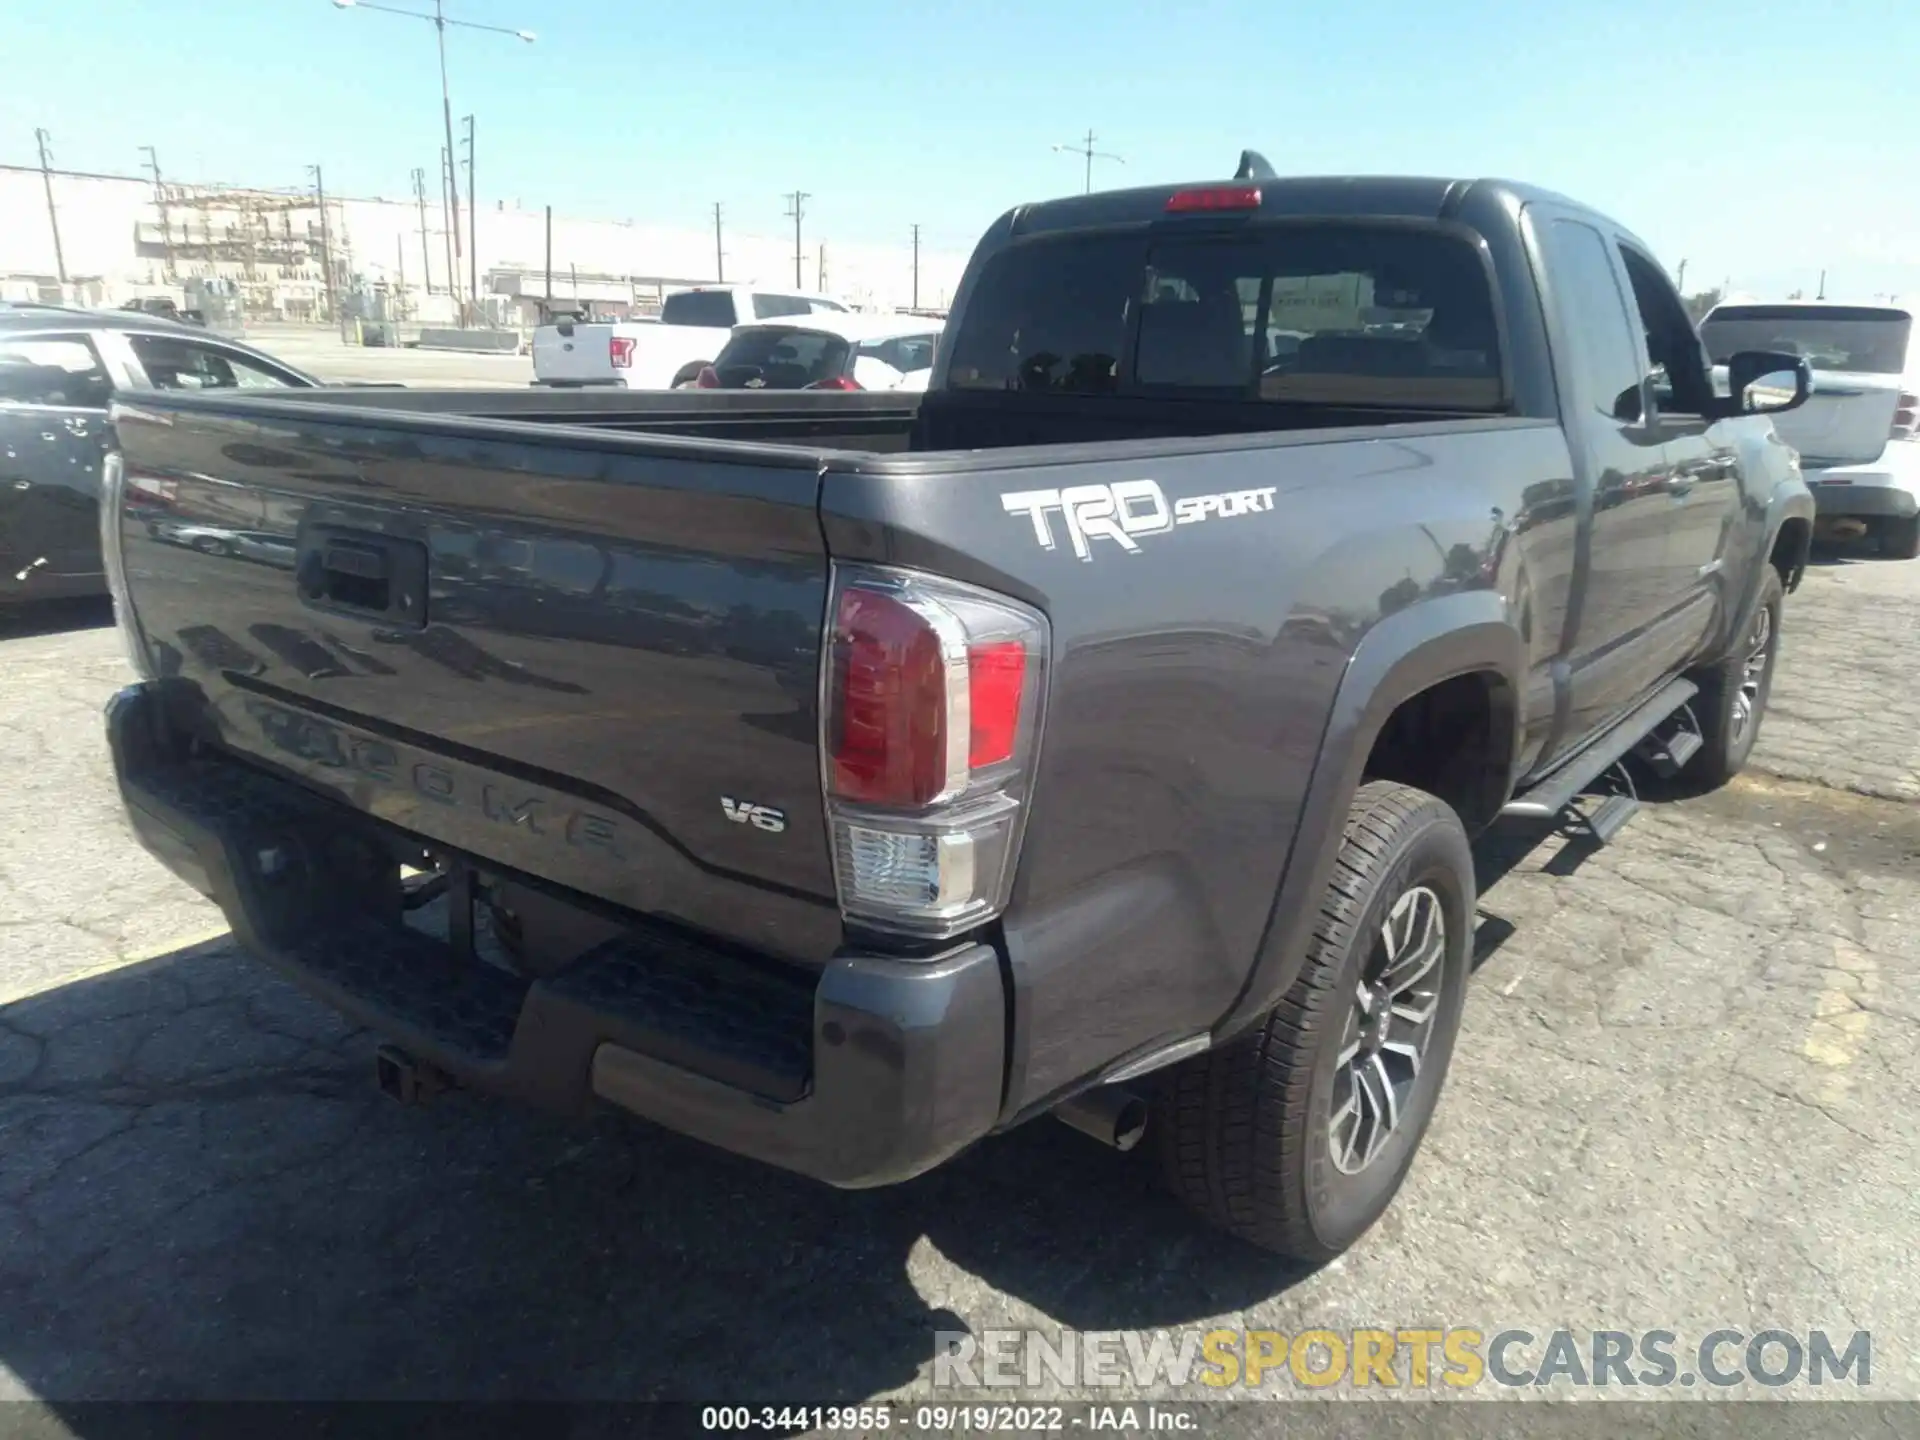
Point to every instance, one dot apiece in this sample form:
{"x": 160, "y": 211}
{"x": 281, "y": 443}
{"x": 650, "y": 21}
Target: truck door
{"x": 1703, "y": 483}
{"x": 1617, "y": 645}
{"x": 53, "y": 419}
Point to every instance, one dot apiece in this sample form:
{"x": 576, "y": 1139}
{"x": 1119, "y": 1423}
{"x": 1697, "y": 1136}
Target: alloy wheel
{"x": 1388, "y": 1030}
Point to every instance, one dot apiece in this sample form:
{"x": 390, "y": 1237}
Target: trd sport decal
{"x": 1123, "y": 512}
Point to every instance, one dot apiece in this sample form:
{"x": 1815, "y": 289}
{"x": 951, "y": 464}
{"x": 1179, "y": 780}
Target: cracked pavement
{"x": 1682, "y": 1099}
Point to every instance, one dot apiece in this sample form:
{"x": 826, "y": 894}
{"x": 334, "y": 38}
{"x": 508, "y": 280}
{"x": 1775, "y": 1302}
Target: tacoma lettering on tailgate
{"x": 320, "y": 746}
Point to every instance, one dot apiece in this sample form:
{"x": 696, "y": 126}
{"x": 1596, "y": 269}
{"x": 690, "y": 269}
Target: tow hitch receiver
{"x": 409, "y": 1081}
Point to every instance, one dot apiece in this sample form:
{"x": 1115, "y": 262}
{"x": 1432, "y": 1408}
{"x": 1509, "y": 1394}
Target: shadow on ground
{"x": 54, "y": 617}
{"x": 207, "y": 1199}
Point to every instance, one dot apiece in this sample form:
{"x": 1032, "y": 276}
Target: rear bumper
{"x": 1887, "y": 488}
{"x": 868, "y": 1073}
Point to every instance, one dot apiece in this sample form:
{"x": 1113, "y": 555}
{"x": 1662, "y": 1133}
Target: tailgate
{"x": 591, "y": 658}
{"x": 582, "y": 356}
{"x": 1845, "y": 421}
{"x": 1857, "y": 354}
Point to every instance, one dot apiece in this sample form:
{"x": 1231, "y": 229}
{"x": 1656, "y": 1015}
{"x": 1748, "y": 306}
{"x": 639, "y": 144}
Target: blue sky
{"x": 1755, "y": 140}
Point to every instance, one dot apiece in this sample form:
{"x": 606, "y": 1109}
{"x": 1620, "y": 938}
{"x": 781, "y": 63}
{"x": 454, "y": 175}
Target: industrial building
{"x": 243, "y": 254}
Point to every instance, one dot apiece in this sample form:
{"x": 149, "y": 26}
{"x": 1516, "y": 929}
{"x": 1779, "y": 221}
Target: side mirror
{"x": 1767, "y": 382}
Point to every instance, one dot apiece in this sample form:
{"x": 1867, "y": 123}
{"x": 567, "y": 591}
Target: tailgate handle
{"x": 363, "y": 574}
{"x": 361, "y": 561}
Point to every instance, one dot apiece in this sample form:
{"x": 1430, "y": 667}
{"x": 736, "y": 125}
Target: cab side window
{"x": 1681, "y": 384}
{"x": 56, "y": 370}
{"x": 1594, "y": 314}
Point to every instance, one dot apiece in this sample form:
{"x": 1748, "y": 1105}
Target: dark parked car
{"x": 851, "y": 776}
{"x": 59, "y": 370}
{"x": 826, "y": 352}
{"x": 165, "y": 309}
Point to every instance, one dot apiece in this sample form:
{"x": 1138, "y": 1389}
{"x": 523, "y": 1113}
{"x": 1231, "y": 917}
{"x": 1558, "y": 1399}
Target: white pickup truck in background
{"x": 660, "y": 354}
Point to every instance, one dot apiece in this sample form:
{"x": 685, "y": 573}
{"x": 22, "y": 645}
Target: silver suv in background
{"x": 1856, "y": 432}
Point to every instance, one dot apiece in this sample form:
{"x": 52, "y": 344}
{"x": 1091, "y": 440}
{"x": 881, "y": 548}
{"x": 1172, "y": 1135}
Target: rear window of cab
{"x": 1349, "y": 314}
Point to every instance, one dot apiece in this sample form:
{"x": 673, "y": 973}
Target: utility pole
{"x": 326, "y": 245}
{"x": 453, "y": 226}
{"x": 453, "y": 187}
{"x": 160, "y": 204}
{"x": 820, "y": 270}
{"x": 400, "y": 271}
{"x": 549, "y": 260}
{"x": 719, "y": 253}
{"x": 53, "y": 215}
{"x": 452, "y": 191}
{"x": 916, "y": 267}
{"x": 1085, "y": 149}
{"x": 1680, "y": 280}
{"x": 473, "y": 241}
{"x": 798, "y": 201}
{"x": 1823, "y": 286}
{"x": 426, "y": 255}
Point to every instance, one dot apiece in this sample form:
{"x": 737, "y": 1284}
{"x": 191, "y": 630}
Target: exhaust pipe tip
{"x": 1111, "y": 1115}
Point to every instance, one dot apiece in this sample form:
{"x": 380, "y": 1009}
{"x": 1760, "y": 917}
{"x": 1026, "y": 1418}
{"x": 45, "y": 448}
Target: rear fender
{"x": 1408, "y": 652}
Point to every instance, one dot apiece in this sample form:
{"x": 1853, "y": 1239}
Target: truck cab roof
{"x": 1412, "y": 197}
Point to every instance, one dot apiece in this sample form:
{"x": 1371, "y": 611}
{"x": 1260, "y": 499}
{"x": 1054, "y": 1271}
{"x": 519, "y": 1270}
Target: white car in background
{"x": 1856, "y": 432}
{"x": 827, "y": 352}
{"x": 659, "y": 354}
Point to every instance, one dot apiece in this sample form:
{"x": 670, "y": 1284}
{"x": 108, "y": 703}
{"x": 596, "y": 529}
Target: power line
{"x": 797, "y": 202}
{"x": 1085, "y": 148}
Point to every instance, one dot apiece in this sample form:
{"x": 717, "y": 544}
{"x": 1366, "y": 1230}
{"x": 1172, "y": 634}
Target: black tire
{"x": 687, "y": 374}
{"x": 1899, "y": 539}
{"x": 1245, "y": 1132}
{"x": 1733, "y": 700}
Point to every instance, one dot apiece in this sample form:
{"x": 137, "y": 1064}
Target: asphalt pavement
{"x": 1682, "y": 1100}
{"x": 321, "y": 354}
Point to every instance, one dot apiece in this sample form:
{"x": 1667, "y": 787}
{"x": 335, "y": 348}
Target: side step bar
{"x": 1610, "y": 816}
{"x": 1557, "y": 791}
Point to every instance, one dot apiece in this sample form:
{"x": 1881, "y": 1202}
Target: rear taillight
{"x": 933, "y": 694}
{"x": 835, "y": 382}
{"x": 708, "y": 378}
{"x": 620, "y": 351}
{"x": 1906, "y": 416}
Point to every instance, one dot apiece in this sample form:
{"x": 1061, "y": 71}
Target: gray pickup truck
{"x": 842, "y": 779}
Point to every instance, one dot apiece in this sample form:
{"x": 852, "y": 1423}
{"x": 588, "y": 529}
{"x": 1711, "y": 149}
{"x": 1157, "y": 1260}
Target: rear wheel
{"x": 1296, "y": 1135}
{"x": 1733, "y": 695}
{"x": 687, "y": 374}
{"x": 1899, "y": 539}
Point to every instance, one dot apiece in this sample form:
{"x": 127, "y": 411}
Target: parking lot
{"x": 320, "y": 353}
{"x": 1682, "y": 1100}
